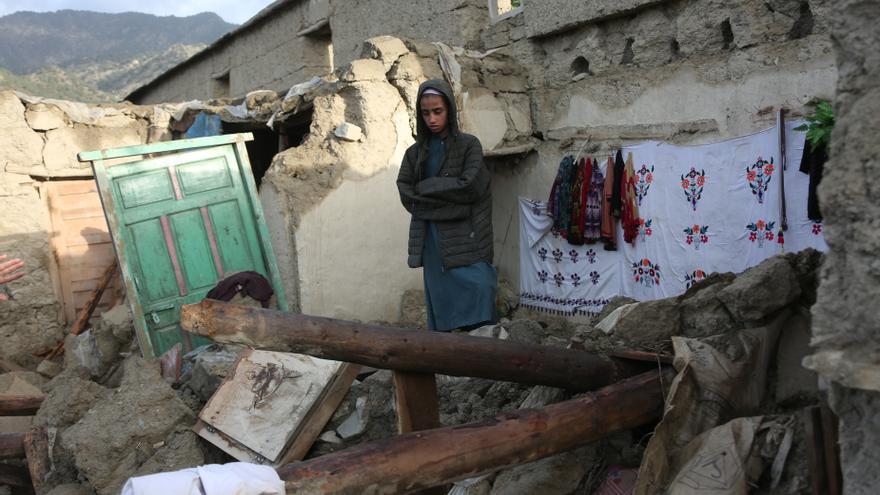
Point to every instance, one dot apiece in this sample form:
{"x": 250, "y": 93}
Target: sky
{"x": 235, "y": 11}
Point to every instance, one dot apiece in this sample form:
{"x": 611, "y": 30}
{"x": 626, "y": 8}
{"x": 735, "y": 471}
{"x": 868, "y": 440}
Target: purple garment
{"x": 593, "y": 223}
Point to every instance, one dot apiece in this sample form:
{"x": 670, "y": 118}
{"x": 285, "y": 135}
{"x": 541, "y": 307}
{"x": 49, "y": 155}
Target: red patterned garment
{"x": 629, "y": 217}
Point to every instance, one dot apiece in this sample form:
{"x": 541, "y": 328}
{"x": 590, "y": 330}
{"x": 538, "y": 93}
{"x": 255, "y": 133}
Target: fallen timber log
{"x": 11, "y": 445}
{"x": 418, "y": 460}
{"x": 36, "y": 448}
{"x": 20, "y": 405}
{"x": 405, "y": 350}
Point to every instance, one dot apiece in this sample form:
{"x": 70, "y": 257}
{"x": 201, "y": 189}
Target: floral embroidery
{"x": 594, "y": 277}
{"x": 577, "y": 306}
{"x": 542, "y": 253}
{"x": 543, "y": 276}
{"x": 644, "y": 181}
{"x": 573, "y": 256}
{"x": 694, "y": 277}
{"x": 692, "y": 183}
{"x": 759, "y": 175}
{"x": 817, "y": 228}
{"x": 557, "y": 255}
{"x": 559, "y": 278}
{"x": 646, "y": 273}
{"x": 591, "y": 256}
{"x": 575, "y": 279}
{"x": 761, "y": 230}
{"x": 696, "y": 235}
{"x": 645, "y": 229}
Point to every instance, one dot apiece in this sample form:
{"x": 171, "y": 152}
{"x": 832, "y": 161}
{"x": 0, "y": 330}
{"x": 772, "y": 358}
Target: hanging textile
{"x": 595, "y": 192}
{"x": 579, "y": 187}
{"x": 560, "y": 196}
{"x": 630, "y": 199}
{"x": 698, "y": 209}
{"x": 608, "y": 228}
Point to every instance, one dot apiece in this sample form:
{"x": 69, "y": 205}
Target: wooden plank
{"x": 423, "y": 459}
{"x": 400, "y": 349}
{"x": 831, "y": 449}
{"x": 36, "y": 447}
{"x": 20, "y": 405}
{"x": 418, "y": 407}
{"x": 164, "y": 147}
{"x": 11, "y": 445}
{"x": 815, "y": 453}
{"x": 315, "y": 422}
{"x": 72, "y": 187}
{"x": 83, "y": 319}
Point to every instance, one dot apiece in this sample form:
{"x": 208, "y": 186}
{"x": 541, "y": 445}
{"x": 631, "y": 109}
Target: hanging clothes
{"x": 595, "y": 193}
{"x": 560, "y": 196}
{"x": 617, "y": 186}
{"x": 579, "y": 187}
{"x": 813, "y": 164}
{"x": 608, "y": 234}
{"x": 629, "y": 217}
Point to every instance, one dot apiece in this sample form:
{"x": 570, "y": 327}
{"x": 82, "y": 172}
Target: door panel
{"x": 180, "y": 223}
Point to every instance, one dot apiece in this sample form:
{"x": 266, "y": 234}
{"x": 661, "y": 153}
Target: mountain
{"x": 91, "y": 56}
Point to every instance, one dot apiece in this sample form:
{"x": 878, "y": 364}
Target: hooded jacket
{"x": 458, "y": 199}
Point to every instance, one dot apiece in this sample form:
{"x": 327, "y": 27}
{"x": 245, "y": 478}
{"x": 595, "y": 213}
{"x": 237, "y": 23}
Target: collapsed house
{"x": 538, "y": 82}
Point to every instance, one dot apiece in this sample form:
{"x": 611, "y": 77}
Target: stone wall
{"x": 846, "y": 327}
{"x": 686, "y": 71}
{"x": 454, "y": 22}
{"x": 271, "y": 54}
{"x": 39, "y": 141}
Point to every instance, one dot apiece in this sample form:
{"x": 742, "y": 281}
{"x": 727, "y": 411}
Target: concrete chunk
{"x": 348, "y": 132}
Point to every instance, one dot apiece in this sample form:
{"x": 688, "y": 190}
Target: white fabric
{"x": 236, "y": 478}
{"x": 731, "y": 225}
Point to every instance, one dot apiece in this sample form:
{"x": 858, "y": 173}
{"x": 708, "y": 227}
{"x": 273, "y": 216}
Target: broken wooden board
{"x": 271, "y": 403}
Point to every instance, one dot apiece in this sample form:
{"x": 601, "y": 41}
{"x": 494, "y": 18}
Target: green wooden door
{"x": 181, "y": 221}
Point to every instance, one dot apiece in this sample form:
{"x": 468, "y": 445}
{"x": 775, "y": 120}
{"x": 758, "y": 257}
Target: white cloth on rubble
{"x": 236, "y": 478}
{"x": 733, "y": 223}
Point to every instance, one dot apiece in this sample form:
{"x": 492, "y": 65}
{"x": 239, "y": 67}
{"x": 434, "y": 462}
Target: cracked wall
{"x": 39, "y": 141}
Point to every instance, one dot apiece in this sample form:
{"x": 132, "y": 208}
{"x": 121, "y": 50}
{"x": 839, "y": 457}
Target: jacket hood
{"x": 422, "y": 131}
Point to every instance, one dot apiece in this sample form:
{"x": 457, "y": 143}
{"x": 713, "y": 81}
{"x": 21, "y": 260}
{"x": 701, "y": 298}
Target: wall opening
{"x": 580, "y": 66}
{"x": 502, "y": 9}
{"x": 727, "y": 34}
{"x": 261, "y": 150}
{"x": 220, "y": 85}
{"x": 628, "y": 55}
{"x": 803, "y": 27}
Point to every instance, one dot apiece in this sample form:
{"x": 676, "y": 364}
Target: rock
{"x": 702, "y": 313}
{"x": 82, "y": 351}
{"x": 206, "y": 367}
{"x": 411, "y": 67}
{"x": 479, "y": 485}
{"x": 761, "y": 290}
{"x": 330, "y": 437}
{"x": 70, "y": 489}
{"x": 348, "y": 132}
{"x": 179, "y": 451}
{"x": 556, "y": 475}
{"x": 49, "y": 369}
{"x": 525, "y": 331}
{"x": 355, "y": 424}
{"x": 807, "y": 264}
{"x": 69, "y": 396}
{"x": 792, "y": 379}
{"x": 650, "y": 324}
{"x": 490, "y": 331}
{"x": 115, "y": 437}
{"x": 613, "y": 304}
{"x": 363, "y": 70}
{"x": 385, "y": 48}
{"x": 21, "y": 146}
{"x": 413, "y": 312}
{"x": 42, "y": 117}
{"x": 541, "y": 396}
{"x": 506, "y": 299}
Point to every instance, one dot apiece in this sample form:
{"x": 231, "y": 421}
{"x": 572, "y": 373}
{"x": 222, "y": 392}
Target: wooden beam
{"x": 418, "y": 407}
{"x": 20, "y": 405}
{"x": 11, "y": 445}
{"x": 419, "y": 460}
{"x": 85, "y": 313}
{"x": 36, "y": 447}
{"x": 15, "y": 477}
{"x": 404, "y": 350}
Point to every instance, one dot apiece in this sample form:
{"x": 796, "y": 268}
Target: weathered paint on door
{"x": 180, "y": 222}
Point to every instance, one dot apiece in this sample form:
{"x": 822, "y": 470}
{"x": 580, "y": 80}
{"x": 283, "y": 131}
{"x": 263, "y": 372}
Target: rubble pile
{"x": 737, "y": 341}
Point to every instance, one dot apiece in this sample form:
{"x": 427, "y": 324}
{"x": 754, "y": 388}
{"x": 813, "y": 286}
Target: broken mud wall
{"x": 272, "y": 52}
{"x": 454, "y": 22}
{"x": 846, "y": 323}
{"x": 687, "y": 71}
{"x": 39, "y": 142}
{"x": 332, "y": 204}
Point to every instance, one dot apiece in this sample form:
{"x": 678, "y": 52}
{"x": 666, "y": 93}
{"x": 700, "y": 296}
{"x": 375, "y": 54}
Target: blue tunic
{"x": 456, "y": 297}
